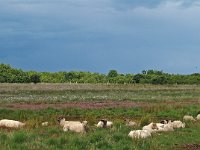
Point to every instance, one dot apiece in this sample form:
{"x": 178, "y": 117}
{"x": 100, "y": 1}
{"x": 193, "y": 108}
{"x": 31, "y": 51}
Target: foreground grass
{"x": 116, "y": 138}
{"x": 54, "y": 93}
{"x": 34, "y": 136}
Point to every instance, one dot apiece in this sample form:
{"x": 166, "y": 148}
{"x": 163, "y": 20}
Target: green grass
{"x": 116, "y": 138}
{"x": 34, "y": 136}
{"x": 156, "y": 111}
{"x": 55, "y": 93}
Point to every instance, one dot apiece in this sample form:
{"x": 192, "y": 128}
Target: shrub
{"x": 35, "y": 78}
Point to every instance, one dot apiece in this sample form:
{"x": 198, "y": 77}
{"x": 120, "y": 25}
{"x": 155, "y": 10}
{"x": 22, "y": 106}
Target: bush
{"x": 35, "y": 78}
{"x": 12, "y": 75}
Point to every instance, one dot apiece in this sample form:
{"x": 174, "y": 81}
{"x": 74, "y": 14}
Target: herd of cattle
{"x": 80, "y": 127}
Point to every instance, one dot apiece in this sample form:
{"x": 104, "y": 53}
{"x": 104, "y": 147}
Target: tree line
{"x": 13, "y": 75}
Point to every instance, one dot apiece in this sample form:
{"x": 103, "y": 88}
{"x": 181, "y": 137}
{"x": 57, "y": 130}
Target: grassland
{"x": 161, "y": 102}
{"x": 53, "y": 93}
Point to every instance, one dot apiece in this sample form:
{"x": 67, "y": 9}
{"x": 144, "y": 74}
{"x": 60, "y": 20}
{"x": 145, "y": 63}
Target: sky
{"x": 99, "y": 35}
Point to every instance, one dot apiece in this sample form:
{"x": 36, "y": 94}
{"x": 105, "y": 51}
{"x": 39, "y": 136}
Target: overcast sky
{"x": 100, "y": 35}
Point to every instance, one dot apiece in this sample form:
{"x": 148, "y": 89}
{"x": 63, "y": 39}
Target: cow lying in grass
{"x": 188, "y": 118}
{"x": 11, "y": 123}
{"x": 177, "y": 124}
{"x": 139, "y": 134}
{"x": 165, "y": 121}
{"x": 104, "y": 124}
{"x": 76, "y": 126}
{"x": 130, "y": 123}
{"x": 198, "y": 117}
{"x": 152, "y": 127}
{"x": 165, "y": 125}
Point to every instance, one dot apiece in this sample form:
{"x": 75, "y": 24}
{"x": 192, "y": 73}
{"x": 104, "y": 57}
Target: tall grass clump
{"x": 145, "y": 120}
{"x": 3, "y": 138}
{"x": 19, "y": 137}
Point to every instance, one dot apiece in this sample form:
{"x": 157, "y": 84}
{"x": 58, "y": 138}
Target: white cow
{"x": 139, "y": 134}
{"x": 177, "y": 124}
{"x": 75, "y": 126}
{"x": 11, "y": 123}
{"x": 198, "y": 117}
{"x": 152, "y": 127}
{"x": 104, "y": 124}
{"x": 188, "y": 118}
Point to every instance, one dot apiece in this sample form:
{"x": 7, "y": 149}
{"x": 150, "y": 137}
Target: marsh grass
{"x": 55, "y": 93}
{"x": 19, "y": 137}
{"x": 52, "y": 137}
{"x": 145, "y": 120}
{"x": 34, "y": 136}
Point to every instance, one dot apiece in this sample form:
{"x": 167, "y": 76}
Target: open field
{"x": 35, "y": 104}
{"x": 56, "y": 93}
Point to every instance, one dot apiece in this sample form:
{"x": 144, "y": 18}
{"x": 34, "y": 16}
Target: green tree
{"x": 159, "y": 79}
{"x": 35, "y": 78}
{"x": 138, "y": 77}
{"x": 112, "y": 74}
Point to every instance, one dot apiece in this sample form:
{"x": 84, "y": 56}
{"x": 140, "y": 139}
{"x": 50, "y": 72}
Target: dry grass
{"x": 74, "y": 86}
{"x": 55, "y": 93}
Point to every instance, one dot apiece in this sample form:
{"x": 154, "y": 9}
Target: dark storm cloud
{"x": 99, "y": 35}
